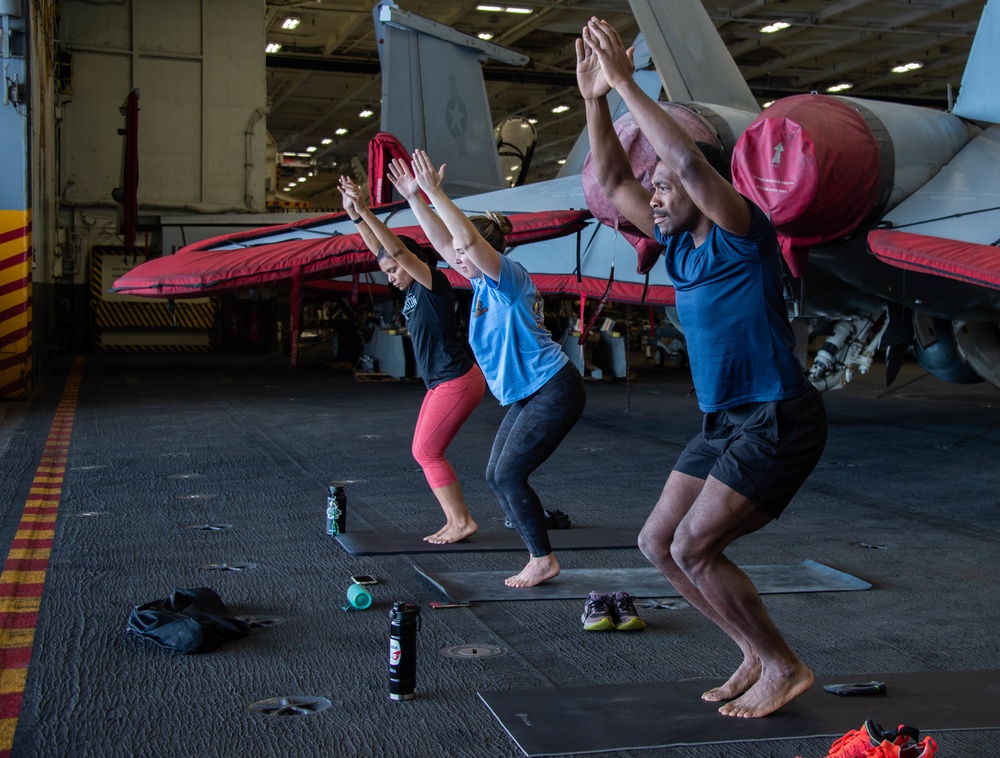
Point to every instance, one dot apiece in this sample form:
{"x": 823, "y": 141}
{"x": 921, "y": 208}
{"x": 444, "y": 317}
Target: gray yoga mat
{"x": 548, "y": 721}
{"x": 471, "y": 586}
{"x": 575, "y": 538}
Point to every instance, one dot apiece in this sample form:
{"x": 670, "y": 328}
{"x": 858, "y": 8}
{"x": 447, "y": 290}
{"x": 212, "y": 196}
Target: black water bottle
{"x": 404, "y": 620}
{"x": 336, "y": 510}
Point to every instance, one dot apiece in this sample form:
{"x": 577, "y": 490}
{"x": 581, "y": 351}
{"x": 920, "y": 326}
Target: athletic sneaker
{"x": 861, "y": 743}
{"x": 626, "y": 618}
{"x": 926, "y": 748}
{"x": 598, "y": 614}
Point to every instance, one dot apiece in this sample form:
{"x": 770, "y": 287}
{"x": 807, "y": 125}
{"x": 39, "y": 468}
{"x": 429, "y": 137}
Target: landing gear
{"x": 850, "y": 348}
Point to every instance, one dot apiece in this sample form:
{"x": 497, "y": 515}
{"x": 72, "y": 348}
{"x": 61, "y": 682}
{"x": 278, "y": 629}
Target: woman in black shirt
{"x": 455, "y": 385}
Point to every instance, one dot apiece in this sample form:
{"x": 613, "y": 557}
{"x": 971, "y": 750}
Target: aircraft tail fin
{"x": 690, "y": 56}
{"x": 977, "y": 98}
{"x": 434, "y": 96}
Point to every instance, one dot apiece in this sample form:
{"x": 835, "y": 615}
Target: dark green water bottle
{"x": 336, "y": 510}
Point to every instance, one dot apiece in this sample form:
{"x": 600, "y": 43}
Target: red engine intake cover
{"x": 812, "y": 164}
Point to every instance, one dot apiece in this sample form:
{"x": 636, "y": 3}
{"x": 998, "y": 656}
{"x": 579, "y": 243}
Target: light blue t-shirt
{"x": 730, "y": 305}
{"x": 508, "y": 336}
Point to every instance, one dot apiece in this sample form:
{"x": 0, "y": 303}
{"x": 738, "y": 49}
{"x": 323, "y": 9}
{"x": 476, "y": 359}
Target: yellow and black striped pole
{"x": 15, "y": 304}
{"x": 15, "y": 216}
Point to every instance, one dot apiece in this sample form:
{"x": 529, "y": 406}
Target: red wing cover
{"x": 962, "y": 261}
{"x": 202, "y": 269}
{"x": 587, "y": 286}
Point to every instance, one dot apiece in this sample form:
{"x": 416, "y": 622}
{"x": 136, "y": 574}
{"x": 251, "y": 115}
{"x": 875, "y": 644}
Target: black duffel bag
{"x": 189, "y": 621}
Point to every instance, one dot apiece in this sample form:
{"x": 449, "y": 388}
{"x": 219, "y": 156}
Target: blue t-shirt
{"x": 508, "y": 335}
{"x": 430, "y": 316}
{"x": 730, "y": 305}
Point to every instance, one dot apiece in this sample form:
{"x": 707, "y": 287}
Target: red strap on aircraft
{"x": 293, "y": 317}
{"x": 597, "y": 311}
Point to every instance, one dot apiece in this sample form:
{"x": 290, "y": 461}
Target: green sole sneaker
{"x": 623, "y": 609}
{"x": 598, "y": 614}
{"x": 633, "y": 624}
{"x": 604, "y": 624}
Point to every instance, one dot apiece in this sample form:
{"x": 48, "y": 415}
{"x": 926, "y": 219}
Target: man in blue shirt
{"x": 765, "y": 426}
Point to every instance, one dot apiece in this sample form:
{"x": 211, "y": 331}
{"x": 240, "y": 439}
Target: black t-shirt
{"x": 440, "y": 353}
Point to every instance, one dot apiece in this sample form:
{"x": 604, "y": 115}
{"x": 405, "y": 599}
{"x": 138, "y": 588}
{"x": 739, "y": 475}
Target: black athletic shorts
{"x": 764, "y": 451}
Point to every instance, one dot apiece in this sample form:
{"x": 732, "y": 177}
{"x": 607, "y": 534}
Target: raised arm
{"x": 611, "y": 164}
{"x": 383, "y": 237}
{"x": 405, "y": 183}
{"x": 465, "y": 237}
{"x": 710, "y": 191}
{"x": 367, "y": 235}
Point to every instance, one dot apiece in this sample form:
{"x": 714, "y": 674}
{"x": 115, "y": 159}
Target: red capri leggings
{"x": 444, "y": 410}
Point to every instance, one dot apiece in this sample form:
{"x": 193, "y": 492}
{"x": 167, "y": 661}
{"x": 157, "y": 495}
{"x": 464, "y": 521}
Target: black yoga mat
{"x": 575, "y": 538}
{"x": 548, "y": 721}
{"x": 808, "y": 576}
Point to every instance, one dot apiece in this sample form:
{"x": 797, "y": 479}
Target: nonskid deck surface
{"x": 180, "y": 470}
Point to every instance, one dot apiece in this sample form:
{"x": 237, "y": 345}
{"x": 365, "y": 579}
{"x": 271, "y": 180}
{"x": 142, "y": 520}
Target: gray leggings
{"x": 529, "y": 434}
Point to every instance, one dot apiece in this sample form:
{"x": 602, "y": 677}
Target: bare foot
{"x": 742, "y": 679}
{"x": 536, "y": 572}
{"x": 438, "y": 533}
{"x": 771, "y": 691}
{"x": 452, "y": 533}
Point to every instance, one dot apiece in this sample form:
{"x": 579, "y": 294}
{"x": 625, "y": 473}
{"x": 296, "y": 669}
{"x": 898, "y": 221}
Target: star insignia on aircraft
{"x": 457, "y": 117}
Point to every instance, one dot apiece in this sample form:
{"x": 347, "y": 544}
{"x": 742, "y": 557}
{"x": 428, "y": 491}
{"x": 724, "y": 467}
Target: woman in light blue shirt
{"x": 522, "y": 364}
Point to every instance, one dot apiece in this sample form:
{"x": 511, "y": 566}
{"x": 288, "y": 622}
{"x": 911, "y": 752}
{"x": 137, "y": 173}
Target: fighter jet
{"x": 887, "y": 213}
{"x": 434, "y": 97}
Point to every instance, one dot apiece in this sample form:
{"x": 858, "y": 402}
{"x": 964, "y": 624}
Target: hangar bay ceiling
{"x": 324, "y": 82}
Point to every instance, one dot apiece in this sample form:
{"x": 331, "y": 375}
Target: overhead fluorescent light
{"x": 560, "y": 109}
{"x": 366, "y": 113}
{"x": 290, "y": 23}
{"x": 839, "y": 87}
{"x": 272, "y": 47}
{"x": 311, "y": 149}
{"x": 907, "y": 67}
{"x": 777, "y": 26}
{"x": 341, "y": 131}
{"x": 503, "y": 9}
{"x": 485, "y": 36}
{"x": 326, "y": 141}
